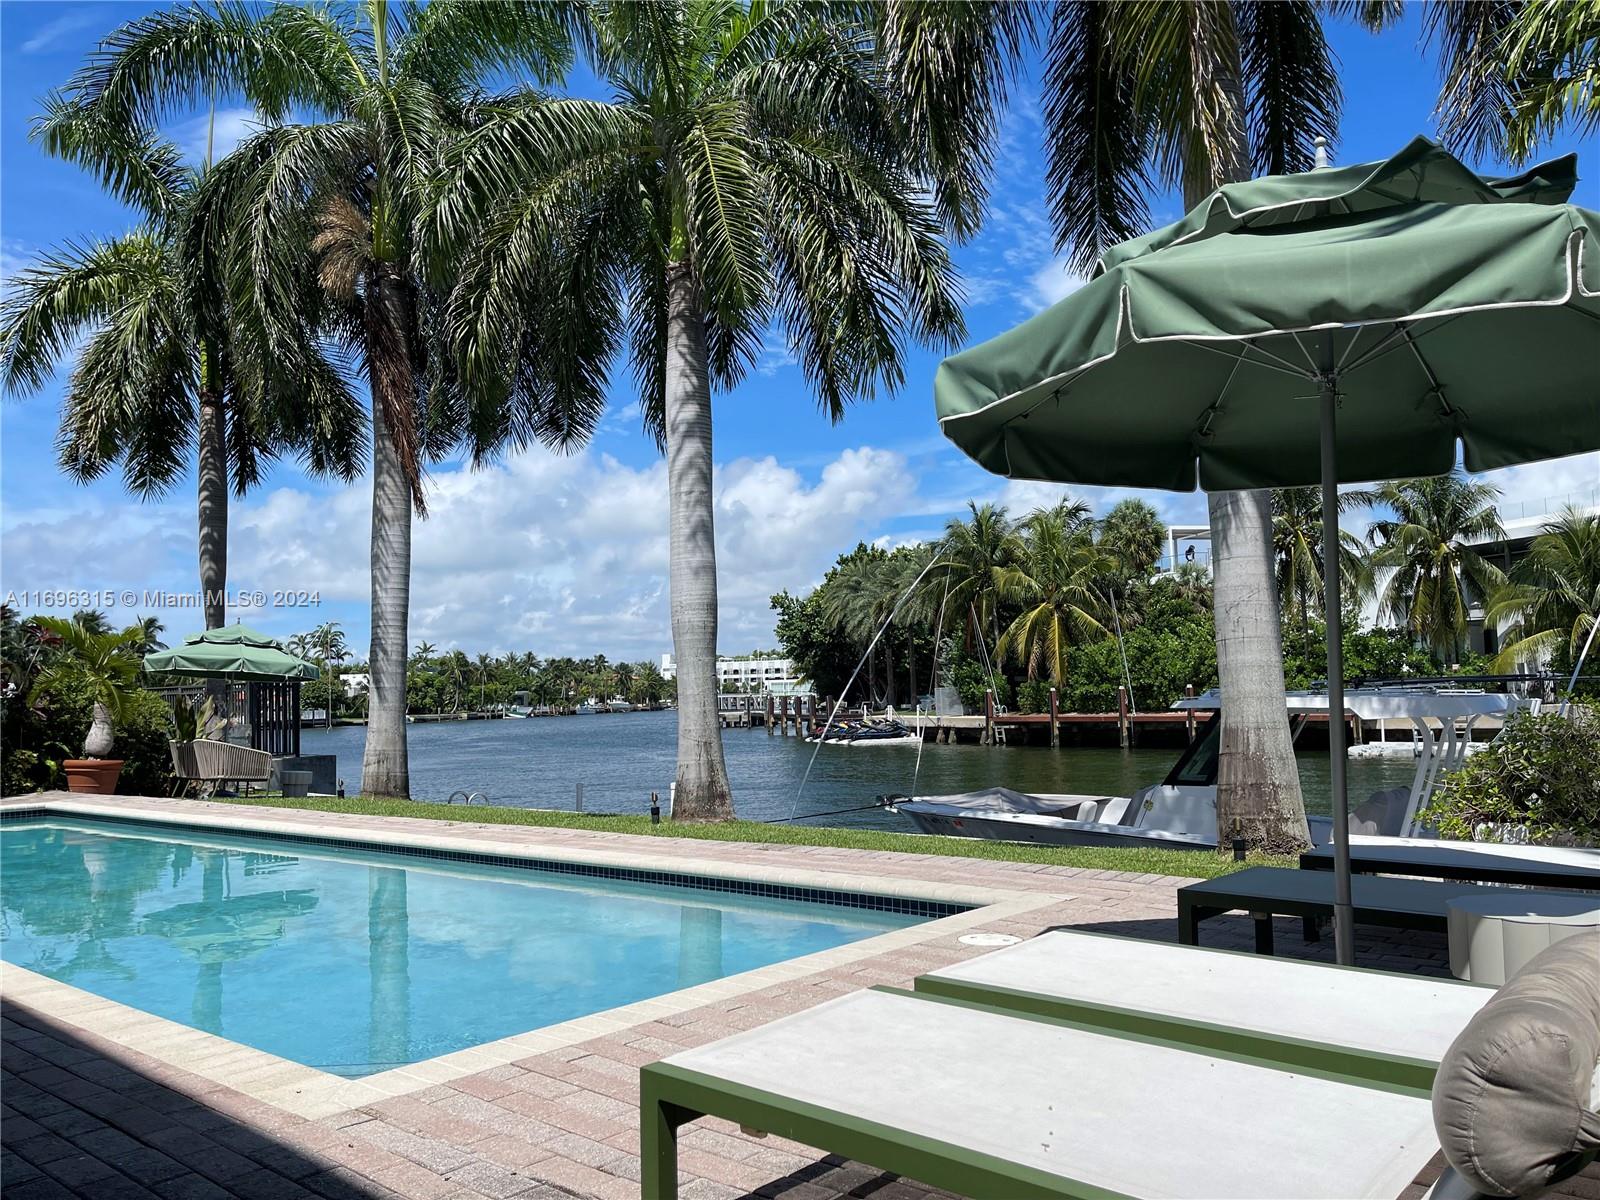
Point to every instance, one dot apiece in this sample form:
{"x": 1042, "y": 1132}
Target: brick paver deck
{"x": 83, "y": 1116}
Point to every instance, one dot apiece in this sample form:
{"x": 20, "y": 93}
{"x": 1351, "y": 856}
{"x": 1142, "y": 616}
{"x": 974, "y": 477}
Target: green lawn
{"x": 1153, "y": 862}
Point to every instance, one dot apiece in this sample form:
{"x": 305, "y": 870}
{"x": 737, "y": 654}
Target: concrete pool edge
{"x": 309, "y": 1093}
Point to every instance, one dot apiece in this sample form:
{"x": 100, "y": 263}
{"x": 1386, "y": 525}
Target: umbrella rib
{"x": 1276, "y": 363}
{"x": 1433, "y": 380}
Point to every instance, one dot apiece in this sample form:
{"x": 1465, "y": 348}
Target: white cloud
{"x": 569, "y": 555}
{"x": 1053, "y": 282}
{"x": 233, "y": 125}
{"x": 54, "y": 31}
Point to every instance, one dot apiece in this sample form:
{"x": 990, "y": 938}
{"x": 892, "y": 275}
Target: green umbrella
{"x": 231, "y": 652}
{"x": 1338, "y": 325}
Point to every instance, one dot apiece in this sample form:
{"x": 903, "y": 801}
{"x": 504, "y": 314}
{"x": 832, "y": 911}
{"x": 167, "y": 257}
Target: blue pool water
{"x": 355, "y": 962}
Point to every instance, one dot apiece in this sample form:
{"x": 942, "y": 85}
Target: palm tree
{"x": 1057, "y": 581}
{"x": 650, "y": 684}
{"x": 967, "y": 572}
{"x": 317, "y": 221}
{"x": 1188, "y": 94}
{"x": 750, "y": 170}
{"x": 1133, "y": 534}
{"x": 1514, "y": 74}
{"x": 1298, "y": 558}
{"x": 484, "y": 668}
{"x": 858, "y": 597}
{"x": 327, "y": 640}
{"x": 91, "y": 620}
{"x": 148, "y": 640}
{"x": 157, "y": 371}
{"x": 1426, "y": 548}
{"x": 624, "y": 677}
{"x": 422, "y": 653}
{"x": 456, "y": 667}
{"x": 1553, "y": 595}
{"x": 100, "y": 662}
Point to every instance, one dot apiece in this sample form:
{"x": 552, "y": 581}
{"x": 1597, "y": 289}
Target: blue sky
{"x": 567, "y": 554}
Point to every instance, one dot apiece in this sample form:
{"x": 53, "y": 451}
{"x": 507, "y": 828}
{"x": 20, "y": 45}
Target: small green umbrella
{"x": 1339, "y": 325}
{"x": 231, "y": 652}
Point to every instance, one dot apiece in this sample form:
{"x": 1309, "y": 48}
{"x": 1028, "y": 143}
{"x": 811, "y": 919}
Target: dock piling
{"x": 1123, "y": 728}
{"x": 1055, "y": 720}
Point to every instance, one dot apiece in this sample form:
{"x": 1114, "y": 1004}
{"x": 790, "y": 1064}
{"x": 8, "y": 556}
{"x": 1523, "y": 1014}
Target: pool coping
{"x": 310, "y": 1093}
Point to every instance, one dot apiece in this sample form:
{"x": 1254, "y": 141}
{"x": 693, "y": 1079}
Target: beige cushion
{"x": 1513, "y": 1099}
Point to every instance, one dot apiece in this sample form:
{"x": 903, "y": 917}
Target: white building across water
{"x": 750, "y": 673}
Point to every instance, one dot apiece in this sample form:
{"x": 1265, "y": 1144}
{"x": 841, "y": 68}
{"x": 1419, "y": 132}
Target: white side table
{"x": 1494, "y": 931}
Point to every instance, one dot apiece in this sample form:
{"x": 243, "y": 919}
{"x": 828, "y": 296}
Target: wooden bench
{"x": 1265, "y": 892}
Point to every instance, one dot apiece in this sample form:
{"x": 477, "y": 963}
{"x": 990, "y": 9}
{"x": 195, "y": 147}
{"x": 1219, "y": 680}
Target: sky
{"x": 567, "y": 554}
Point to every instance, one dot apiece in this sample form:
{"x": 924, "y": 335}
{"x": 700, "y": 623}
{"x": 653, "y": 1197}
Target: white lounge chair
{"x": 990, "y": 1104}
{"x": 1373, "y": 1024}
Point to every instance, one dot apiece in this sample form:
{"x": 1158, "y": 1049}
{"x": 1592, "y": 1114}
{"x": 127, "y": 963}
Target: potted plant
{"x": 105, "y": 667}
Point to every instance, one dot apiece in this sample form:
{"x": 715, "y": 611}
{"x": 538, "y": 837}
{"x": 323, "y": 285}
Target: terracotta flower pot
{"x": 95, "y": 775}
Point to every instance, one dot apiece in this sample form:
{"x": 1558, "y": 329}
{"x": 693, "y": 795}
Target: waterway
{"x": 621, "y": 758}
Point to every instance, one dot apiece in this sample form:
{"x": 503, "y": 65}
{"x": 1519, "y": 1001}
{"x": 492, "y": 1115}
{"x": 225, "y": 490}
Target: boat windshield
{"x": 1198, "y": 766}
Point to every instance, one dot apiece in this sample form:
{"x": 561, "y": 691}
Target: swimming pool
{"x": 355, "y": 961}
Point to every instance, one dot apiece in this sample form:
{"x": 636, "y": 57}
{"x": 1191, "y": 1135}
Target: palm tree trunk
{"x": 1258, "y": 784}
{"x": 702, "y": 792}
{"x": 385, "y": 770}
{"x": 212, "y": 473}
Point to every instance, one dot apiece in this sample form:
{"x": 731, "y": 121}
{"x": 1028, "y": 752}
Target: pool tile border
{"x": 312, "y": 1094}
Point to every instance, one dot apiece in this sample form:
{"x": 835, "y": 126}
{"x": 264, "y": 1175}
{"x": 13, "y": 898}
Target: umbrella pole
{"x": 1343, "y": 911}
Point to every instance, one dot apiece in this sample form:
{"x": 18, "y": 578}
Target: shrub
{"x": 41, "y": 735}
{"x": 1541, "y": 776}
{"x": 1033, "y": 696}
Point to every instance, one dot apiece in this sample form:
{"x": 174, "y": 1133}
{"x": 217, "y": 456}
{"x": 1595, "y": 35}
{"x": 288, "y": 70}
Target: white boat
{"x": 1180, "y": 812}
{"x": 618, "y": 704}
{"x": 588, "y": 708}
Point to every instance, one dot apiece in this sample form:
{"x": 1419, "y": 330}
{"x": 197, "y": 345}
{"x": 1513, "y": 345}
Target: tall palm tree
{"x": 1553, "y": 595}
{"x": 1298, "y": 556}
{"x": 318, "y": 220}
{"x": 422, "y": 653}
{"x": 160, "y": 378}
{"x": 456, "y": 667}
{"x": 967, "y": 572}
{"x": 749, "y": 170}
{"x": 1426, "y": 549}
{"x": 1193, "y": 94}
{"x": 1057, "y": 581}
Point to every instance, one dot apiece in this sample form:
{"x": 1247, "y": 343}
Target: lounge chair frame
{"x": 671, "y": 1096}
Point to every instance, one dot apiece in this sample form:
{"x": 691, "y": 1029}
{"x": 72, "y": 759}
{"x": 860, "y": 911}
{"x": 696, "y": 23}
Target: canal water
{"x": 621, "y": 758}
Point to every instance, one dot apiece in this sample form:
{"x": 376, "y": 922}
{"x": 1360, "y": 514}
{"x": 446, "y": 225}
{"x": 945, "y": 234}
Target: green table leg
{"x": 659, "y": 1121}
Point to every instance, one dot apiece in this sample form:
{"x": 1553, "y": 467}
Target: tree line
{"x": 1060, "y": 598}
{"x": 426, "y": 218}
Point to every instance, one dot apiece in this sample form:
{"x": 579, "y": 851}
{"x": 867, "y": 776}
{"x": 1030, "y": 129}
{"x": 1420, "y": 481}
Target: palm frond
{"x": 72, "y": 289}
{"x": 1476, "y": 97}
{"x": 950, "y": 68}
{"x": 136, "y": 166}
{"x": 1096, "y": 141}
{"x": 1292, "y": 81}
{"x": 449, "y": 46}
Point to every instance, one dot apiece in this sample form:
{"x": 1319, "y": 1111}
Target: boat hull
{"x": 1043, "y": 830}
